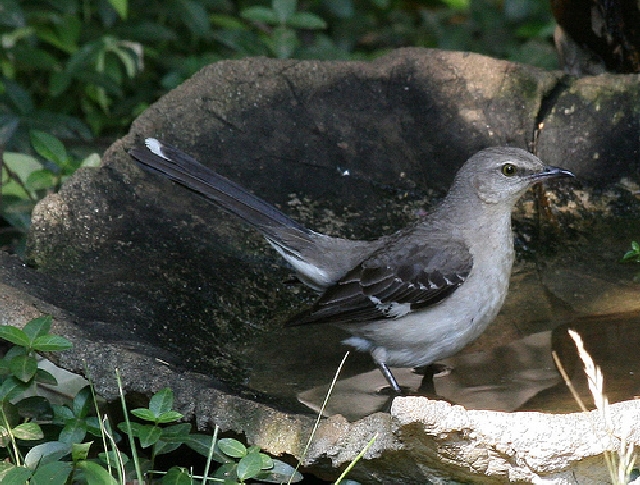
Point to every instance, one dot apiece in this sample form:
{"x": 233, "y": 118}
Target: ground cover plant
{"x": 42, "y": 442}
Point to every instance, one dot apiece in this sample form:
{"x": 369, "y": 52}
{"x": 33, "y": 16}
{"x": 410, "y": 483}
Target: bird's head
{"x": 501, "y": 175}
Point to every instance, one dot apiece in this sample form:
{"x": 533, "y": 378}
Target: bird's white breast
{"x": 424, "y": 336}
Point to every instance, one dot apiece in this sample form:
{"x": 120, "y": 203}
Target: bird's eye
{"x": 509, "y": 169}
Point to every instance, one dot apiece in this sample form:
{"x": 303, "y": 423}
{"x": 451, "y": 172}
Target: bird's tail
{"x": 318, "y": 260}
{"x": 187, "y": 171}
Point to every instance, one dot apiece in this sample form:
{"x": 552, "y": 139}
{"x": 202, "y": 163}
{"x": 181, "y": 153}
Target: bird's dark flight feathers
{"x": 372, "y": 289}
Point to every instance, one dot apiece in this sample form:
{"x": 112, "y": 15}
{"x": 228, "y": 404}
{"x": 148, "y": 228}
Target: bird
{"x": 409, "y": 298}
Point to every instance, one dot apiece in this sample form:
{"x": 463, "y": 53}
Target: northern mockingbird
{"x": 409, "y": 298}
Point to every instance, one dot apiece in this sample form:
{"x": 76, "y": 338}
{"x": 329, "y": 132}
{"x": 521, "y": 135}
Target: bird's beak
{"x": 552, "y": 172}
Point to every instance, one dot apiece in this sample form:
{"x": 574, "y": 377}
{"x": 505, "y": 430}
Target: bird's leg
{"x": 386, "y": 372}
{"x": 427, "y": 387}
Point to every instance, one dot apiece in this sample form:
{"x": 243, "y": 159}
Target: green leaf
{"x": 120, "y": 6}
{"x": 19, "y": 98}
{"x": 633, "y": 255}
{"x": 629, "y": 256}
{"x": 92, "y": 160}
{"x": 136, "y": 428}
{"x": 54, "y": 473}
{"x": 59, "y": 82}
{"x": 73, "y": 431}
{"x": 66, "y": 33}
{"x": 306, "y": 20}
{"x": 169, "y": 417}
{"x": 83, "y": 60}
{"x": 11, "y": 388}
{"x": 80, "y": 451}
{"x": 95, "y": 474}
{"x": 34, "y": 58}
{"x": 226, "y": 21}
{"x": 93, "y": 427}
{"x": 127, "y": 54}
{"x": 35, "y": 408}
{"x": 40, "y": 180}
{"x": 49, "y": 147}
{"x": 284, "y": 9}
{"x": 249, "y": 466}
{"x": 17, "y": 476}
{"x": 161, "y": 401}
{"x": 14, "y": 352}
{"x": 281, "y": 472}
{"x": 112, "y": 457}
{"x": 284, "y": 42}
{"x": 21, "y": 165}
{"x": 267, "y": 461}
{"x": 144, "y": 413}
{"x": 83, "y": 402}
{"x": 149, "y": 435}
{"x": 201, "y": 444}
{"x": 46, "y": 453}
{"x": 227, "y": 472}
{"x": 51, "y": 343}
{"x": 195, "y": 17}
{"x": 14, "y": 335}
{"x": 38, "y": 327}
{"x": 45, "y": 377}
{"x": 23, "y": 367}
{"x": 177, "y": 476}
{"x": 177, "y": 432}
{"x": 259, "y": 14}
{"x": 253, "y": 449}
{"x": 163, "y": 447}
{"x": 10, "y": 416}
{"x": 61, "y": 413}
{"x": 231, "y": 447}
{"x": 30, "y": 431}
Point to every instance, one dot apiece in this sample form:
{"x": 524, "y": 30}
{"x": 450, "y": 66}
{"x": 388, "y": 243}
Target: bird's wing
{"x": 393, "y": 283}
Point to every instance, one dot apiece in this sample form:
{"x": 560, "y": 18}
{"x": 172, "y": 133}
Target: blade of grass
{"x": 210, "y": 456}
{"x": 17, "y": 460}
{"x": 356, "y": 459}
{"x": 134, "y": 453}
{"x": 116, "y": 452}
{"x": 568, "y": 382}
{"x": 621, "y": 458}
{"x": 320, "y": 413}
{"x": 103, "y": 430}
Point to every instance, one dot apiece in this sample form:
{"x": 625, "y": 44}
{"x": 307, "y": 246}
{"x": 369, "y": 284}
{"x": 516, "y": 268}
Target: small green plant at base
{"x": 633, "y": 255}
{"x": 45, "y": 443}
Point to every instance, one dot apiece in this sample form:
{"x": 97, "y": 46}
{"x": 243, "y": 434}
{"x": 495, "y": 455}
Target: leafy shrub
{"x": 47, "y": 443}
{"x": 28, "y": 178}
{"x": 72, "y": 64}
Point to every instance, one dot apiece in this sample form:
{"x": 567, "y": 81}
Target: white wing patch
{"x": 391, "y": 310}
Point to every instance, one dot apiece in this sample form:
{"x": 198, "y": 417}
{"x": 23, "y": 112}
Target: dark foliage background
{"x": 82, "y": 70}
